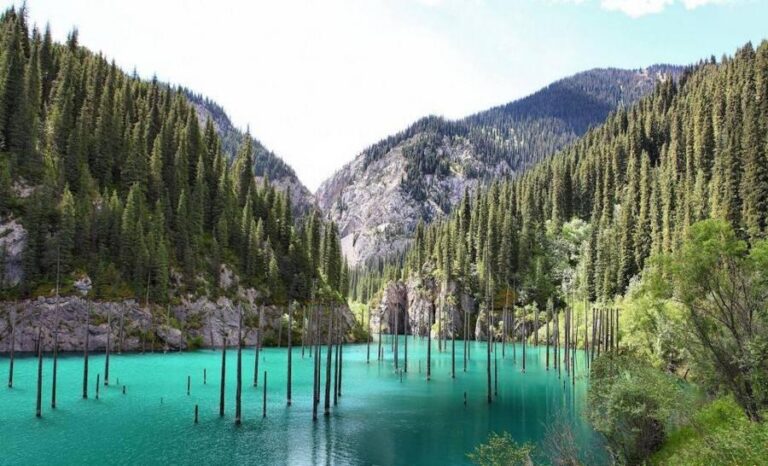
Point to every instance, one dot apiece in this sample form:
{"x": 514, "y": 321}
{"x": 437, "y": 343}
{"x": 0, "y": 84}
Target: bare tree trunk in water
{"x": 453, "y": 348}
{"x": 264, "y": 402}
{"x": 39, "y": 410}
{"x": 259, "y": 336}
{"x": 466, "y": 336}
{"x": 316, "y": 356}
{"x": 525, "y": 339}
{"x": 85, "y": 348}
{"x": 55, "y": 341}
{"x": 341, "y": 355}
{"x": 405, "y": 337}
{"x": 239, "y": 383}
{"x": 106, "y": 350}
{"x": 290, "y": 353}
{"x": 303, "y": 329}
{"x": 381, "y": 317}
{"x": 55, "y": 354}
{"x": 488, "y": 350}
{"x": 429, "y": 339}
{"x": 549, "y": 320}
{"x": 327, "y": 410}
{"x": 396, "y": 339}
{"x": 336, "y": 365}
{"x": 223, "y": 375}
{"x": 13, "y": 350}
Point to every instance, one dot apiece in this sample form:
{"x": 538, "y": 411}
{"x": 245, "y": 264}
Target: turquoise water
{"x": 378, "y": 420}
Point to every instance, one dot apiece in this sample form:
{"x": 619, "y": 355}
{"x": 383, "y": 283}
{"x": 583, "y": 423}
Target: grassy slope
{"x": 719, "y": 433}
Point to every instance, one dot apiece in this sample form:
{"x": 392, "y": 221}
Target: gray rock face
{"x": 416, "y": 300}
{"x": 13, "y": 238}
{"x": 375, "y": 214}
{"x": 132, "y": 327}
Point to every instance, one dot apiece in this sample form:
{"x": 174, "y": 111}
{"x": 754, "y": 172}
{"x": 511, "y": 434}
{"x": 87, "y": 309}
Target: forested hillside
{"x": 114, "y": 177}
{"x": 265, "y": 162}
{"x": 587, "y": 219}
{"x": 421, "y": 173}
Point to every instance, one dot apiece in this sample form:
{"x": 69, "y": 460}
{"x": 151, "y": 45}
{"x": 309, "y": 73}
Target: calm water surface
{"x": 380, "y": 419}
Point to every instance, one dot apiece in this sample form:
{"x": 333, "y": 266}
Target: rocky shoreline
{"x": 132, "y": 327}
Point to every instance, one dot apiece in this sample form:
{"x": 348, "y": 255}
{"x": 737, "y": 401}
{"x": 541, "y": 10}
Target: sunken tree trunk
{"x": 85, "y": 349}
{"x": 429, "y": 339}
{"x": 39, "y": 406}
{"x": 290, "y": 351}
{"x": 329, "y": 352}
{"x": 258, "y": 348}
{"x": 13, "y": 349}
{"x": 239, "y": 383}
{"x": 106, "y": 351}
{"x": 223, "y": 376}
{"x": 368, "y": 339}
{"x": 488, "y": 350}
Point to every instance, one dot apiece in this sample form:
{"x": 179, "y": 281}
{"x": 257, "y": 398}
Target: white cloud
{"x": 638, "y": 8}
{"x": 692, "y": 4}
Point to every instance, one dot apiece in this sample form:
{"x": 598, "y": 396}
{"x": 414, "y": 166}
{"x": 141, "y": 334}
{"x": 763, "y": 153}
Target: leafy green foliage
{"x": 723, "y": 285}
{"x": 632, "y": 404}
{"x": 718, "y": 433}
{"x": 501, "y": 450}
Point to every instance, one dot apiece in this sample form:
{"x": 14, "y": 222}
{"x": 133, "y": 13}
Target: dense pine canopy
{"x": 587, "y": 220}
{"x": 115, "y": 177}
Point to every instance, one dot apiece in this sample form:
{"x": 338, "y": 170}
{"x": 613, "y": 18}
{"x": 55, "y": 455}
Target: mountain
{"x": 587, "y": 219}
{"x": 265, "y": 162}
{"x": 128, "y": 182}
{"x": 421, "y": 173}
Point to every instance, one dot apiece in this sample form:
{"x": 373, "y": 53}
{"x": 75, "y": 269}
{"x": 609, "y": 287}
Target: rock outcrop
{"x": 13, "y": 239}
{"x": 375, "y": 212}
{"x": 415, "y": 299}
{"x": 133, "y": 327}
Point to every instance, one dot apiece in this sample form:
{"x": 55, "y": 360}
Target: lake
{"x": 383, "y": 417}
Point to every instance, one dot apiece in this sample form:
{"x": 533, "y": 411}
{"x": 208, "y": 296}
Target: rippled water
{"x": 380, "y": 419}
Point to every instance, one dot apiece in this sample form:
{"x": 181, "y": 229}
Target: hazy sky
{"x": 318, "y": 81}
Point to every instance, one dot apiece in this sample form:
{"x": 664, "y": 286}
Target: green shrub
{"x": 632, "y": 405}
{"x": 719, "y": 433}
{"x": 194, "y": 343}
{"x": 501, "y": 450}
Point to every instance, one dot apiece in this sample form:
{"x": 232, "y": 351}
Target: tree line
{"x": 117, "y": 177}
{"x": 587, "y": 219}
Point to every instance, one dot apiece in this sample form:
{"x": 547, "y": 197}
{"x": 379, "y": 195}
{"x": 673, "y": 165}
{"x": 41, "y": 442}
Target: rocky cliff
{"x": 133, "y": 327}
{"x": 13, "y": 239}
{"x": 410, "y": 303}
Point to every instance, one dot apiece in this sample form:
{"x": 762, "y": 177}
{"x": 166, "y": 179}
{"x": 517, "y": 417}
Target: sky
{"x": 319, "y": 81}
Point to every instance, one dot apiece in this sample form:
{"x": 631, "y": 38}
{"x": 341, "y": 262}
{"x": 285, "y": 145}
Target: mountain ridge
{"x": 422, "y": 172}
{"x": 265, "y": 162}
